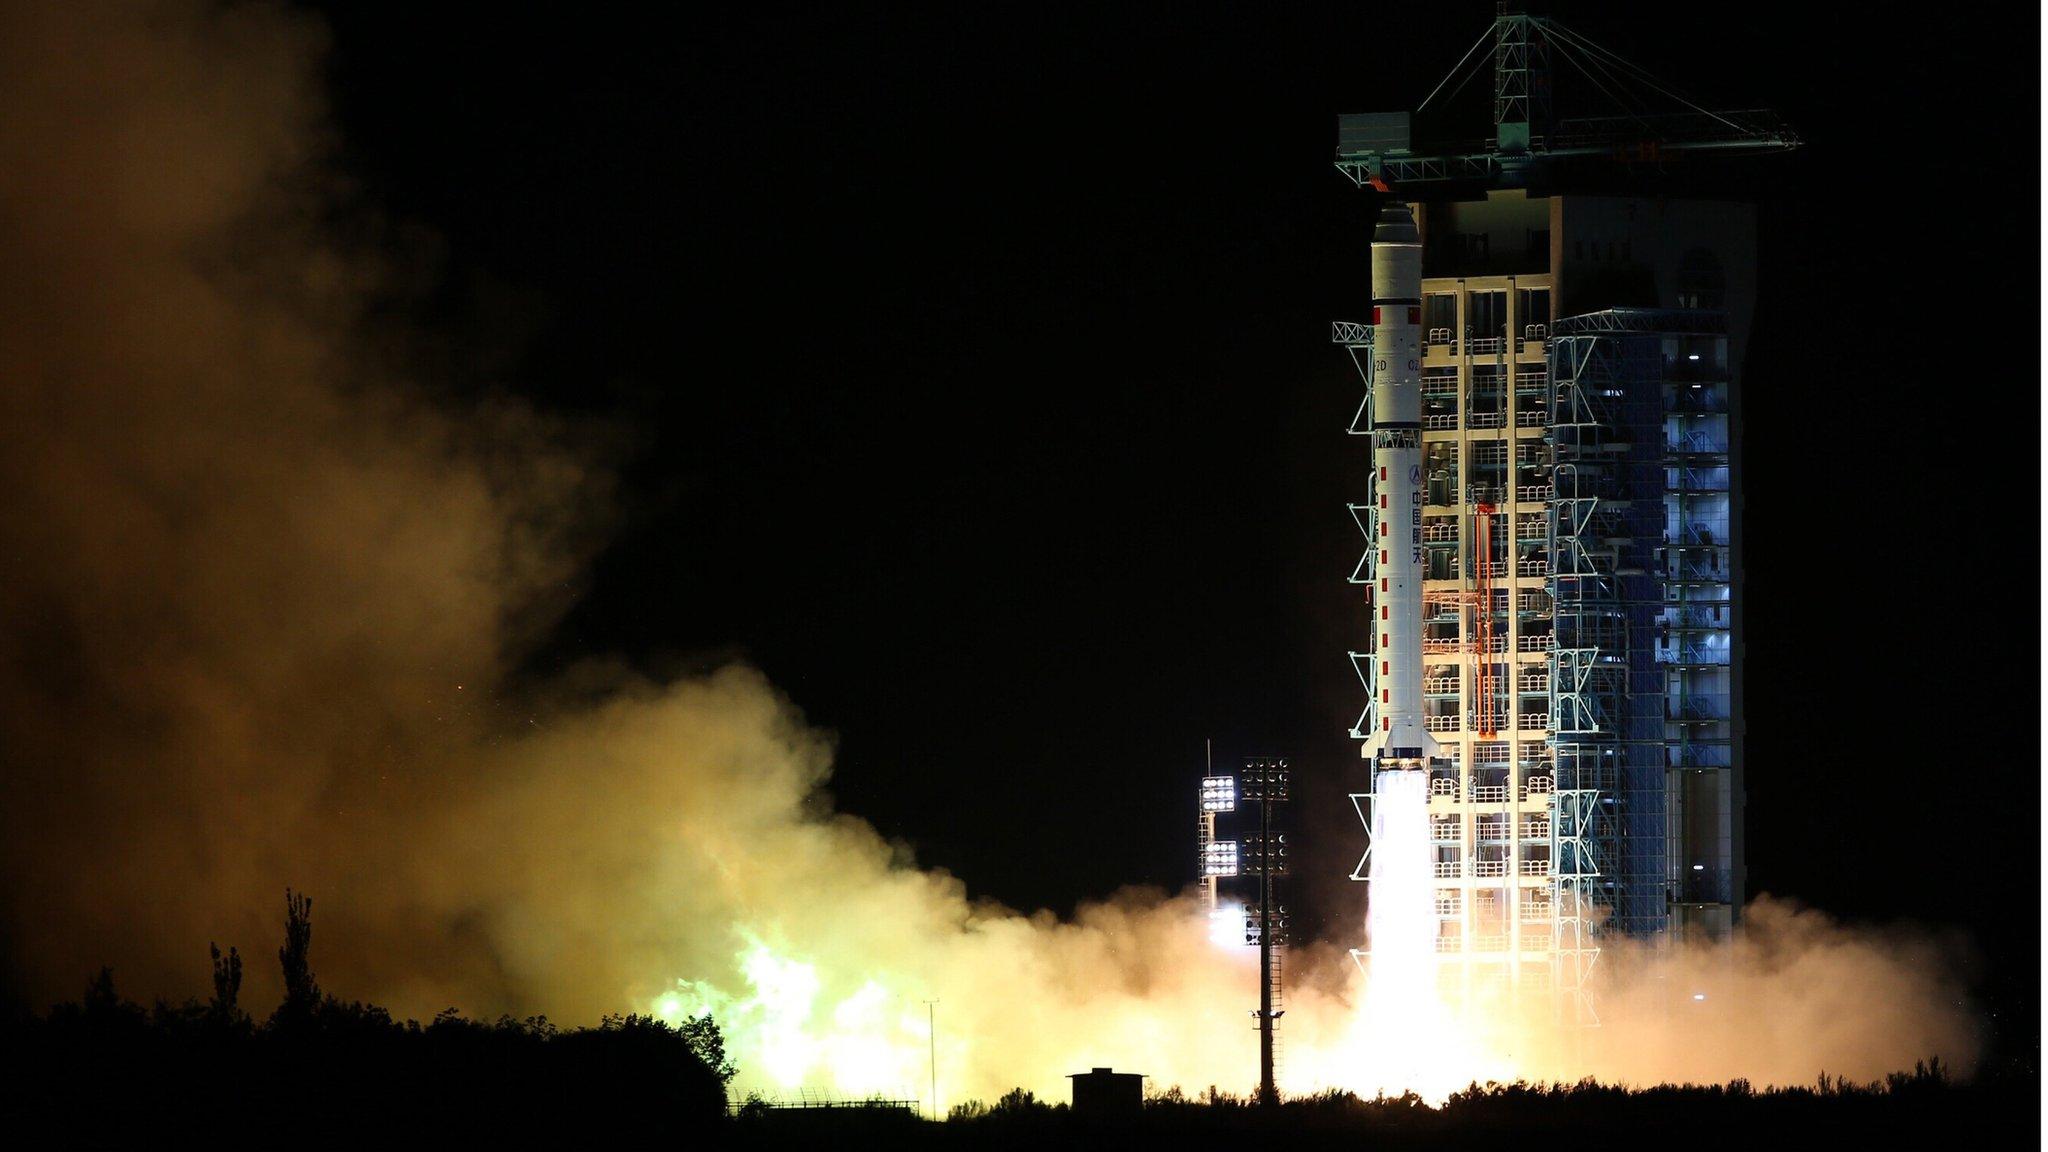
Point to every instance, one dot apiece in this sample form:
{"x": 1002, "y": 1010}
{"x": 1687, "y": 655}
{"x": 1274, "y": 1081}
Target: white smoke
{"x": 264, "y": 596}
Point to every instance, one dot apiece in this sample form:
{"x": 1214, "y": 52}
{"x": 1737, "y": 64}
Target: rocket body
{"x": 1400, "y": 739}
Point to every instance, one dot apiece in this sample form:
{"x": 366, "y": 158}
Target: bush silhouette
{"x": 325, "y": 1072}
{"x": 321, "y": 1072}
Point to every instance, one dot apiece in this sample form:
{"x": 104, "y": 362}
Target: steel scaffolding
{"x": 1642, "y": 586}
{"x": 1696, "y": 627}
{"x": 1577, "y": 535}
{"x": 1577, "y": 637}
{"x": 1606, "y": 525}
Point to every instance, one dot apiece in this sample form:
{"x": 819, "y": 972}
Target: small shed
{"x": 1102, "y": 1093}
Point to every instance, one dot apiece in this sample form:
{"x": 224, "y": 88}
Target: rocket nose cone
{"x": 1396, "y": 225}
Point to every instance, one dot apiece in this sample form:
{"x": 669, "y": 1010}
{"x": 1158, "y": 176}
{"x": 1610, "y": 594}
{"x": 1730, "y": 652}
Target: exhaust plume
{"x": 264, "y": 599}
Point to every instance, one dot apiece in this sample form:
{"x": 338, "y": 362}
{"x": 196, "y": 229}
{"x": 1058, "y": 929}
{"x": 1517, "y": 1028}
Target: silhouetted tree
{"x": 101, "y": 1009}
{"x": 1018, "y": 1100}
{"x": 100, "y": 997}
{"x": 227, "y": 984}
{"x": 967, "y": 1110}
{"x": 701, "y": 1035}
{"x": 301, "y": 992}
{"x": 202, "y": 1072}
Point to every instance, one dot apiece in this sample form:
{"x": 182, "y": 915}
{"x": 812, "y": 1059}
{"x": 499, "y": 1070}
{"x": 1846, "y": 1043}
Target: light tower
{"x": 1218, "y": 795}
{"x": 1265, "y": 925}
{"x": 1264, "y": 855}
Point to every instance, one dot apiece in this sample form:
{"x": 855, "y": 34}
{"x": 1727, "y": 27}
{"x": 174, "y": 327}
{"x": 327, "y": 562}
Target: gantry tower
{"x": 1585, "y": 313}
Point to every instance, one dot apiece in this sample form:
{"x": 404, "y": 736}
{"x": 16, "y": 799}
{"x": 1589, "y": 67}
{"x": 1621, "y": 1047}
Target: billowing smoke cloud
{"x": 251, "y": 581}
{"x": 262, "y": 596}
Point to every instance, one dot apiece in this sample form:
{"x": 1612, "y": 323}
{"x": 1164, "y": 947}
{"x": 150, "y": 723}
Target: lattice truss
{"x": 1605, "y": 521}
{"x": 1355, "y": 338}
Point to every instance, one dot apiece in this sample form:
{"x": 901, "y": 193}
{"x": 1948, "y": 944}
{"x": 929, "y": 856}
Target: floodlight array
{"x": 1263, "y": 854}
{"x": 1219, "y": 794}
{"x": 1219, "y": 858}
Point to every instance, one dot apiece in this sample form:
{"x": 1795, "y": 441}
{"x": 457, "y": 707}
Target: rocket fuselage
{"x": 1401, "y": 738}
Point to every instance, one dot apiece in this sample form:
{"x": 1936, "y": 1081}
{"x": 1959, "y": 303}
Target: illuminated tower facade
{"x": 1580, "y": 528}
{"x": 1580, "y": 561}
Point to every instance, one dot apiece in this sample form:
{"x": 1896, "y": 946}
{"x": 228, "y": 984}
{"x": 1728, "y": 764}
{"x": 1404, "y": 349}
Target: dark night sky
{"x": 976, "y": 370}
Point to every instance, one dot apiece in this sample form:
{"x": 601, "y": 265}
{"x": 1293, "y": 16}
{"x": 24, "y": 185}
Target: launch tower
{"x": 1582, "y": 317}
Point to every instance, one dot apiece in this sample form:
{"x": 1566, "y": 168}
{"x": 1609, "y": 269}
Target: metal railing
{"x": 1486, "y": 419}
{"x": 1440, "y": 684}
{"x": 1535, "y": 867}
{"x": 1663, "y": 321}
{"x": 1448, "y": 869}
{"x": 1699, "y": 479}
{"x": 1701, "y": 616}
{"x": 1488, "y": 345}
{"x": 1490, "y": 794}
{"x": 1449, "y": 904}
{"x": 1700, "y": 654}
{"x": 1697, "y": 442}
{"x": 1531, "y": 418}
{"x": 1707, "y": 568}
{"x": 1532, "y": 568}
{"x": 1696, "y": 401}
{"x": 1439, "y": 644}
{"x": 1443, "y": 788}
{"x": 1490, "y": 830}
{"x": 1444, "y": 832}
{"x": 1440, "y": 723}
{"x": 1440, "y": 422}
{"x": 1535, "y": 829}
{"x": 1538, "y": 786}
{"x": 1709, "y": 755}
{"x": 1532, "y": 721}
{"x": 1698, "y": 707}
{"x": 1440, "y": 533}
{"x": 1489, "y": 869}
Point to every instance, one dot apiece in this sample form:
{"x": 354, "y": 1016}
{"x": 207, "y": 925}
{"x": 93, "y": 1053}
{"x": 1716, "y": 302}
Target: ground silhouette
{"x": 322, "y": 1072}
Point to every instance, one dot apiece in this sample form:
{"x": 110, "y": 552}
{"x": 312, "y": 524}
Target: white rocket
{"x": 1400, "y": 739}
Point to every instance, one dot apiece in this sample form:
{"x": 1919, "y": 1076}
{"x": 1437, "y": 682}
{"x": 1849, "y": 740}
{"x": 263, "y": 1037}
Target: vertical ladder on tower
{"x": 1278, "y": 1010}
{"x": 1482, "y": 632}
